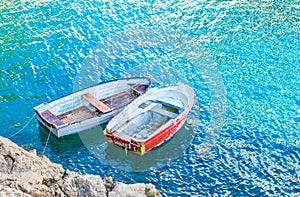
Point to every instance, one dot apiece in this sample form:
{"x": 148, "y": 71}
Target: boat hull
{"x": 78, "y": 126}
{"x": 58, "y": 116}
{"x": 151, "y": 119}
{"x": 141, "y": 148}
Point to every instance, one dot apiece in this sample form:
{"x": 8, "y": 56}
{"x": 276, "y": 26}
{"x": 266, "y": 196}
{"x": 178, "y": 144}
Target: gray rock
{"x": 133, "y": 190}
{"x": 23, "y": 173}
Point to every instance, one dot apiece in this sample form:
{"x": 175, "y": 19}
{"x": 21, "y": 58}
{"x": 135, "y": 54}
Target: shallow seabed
{"x": 241, "y": 137}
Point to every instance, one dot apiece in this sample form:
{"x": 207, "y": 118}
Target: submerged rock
{"x": 23, "y": 173}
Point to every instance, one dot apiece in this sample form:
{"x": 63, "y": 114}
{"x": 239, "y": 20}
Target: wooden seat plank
{"x": 164, "y": 112}
{"x": 96, "y": 103}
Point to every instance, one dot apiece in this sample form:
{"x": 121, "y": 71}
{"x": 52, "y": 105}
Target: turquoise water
{"x": 242, "y": 136}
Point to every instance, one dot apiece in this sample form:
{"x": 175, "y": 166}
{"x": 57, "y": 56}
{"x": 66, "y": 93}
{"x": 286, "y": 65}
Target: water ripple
{"x": 255, "y": 45}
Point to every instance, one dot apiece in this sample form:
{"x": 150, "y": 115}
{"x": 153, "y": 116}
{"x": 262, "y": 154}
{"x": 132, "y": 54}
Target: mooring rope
{"x": 46, "y": 142}
{"x": 23, "y": 127}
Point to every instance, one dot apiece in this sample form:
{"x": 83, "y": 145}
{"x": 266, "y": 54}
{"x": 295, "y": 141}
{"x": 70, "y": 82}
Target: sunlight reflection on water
{"x": 255, "y": 45}
{"x": 167, "y": 41}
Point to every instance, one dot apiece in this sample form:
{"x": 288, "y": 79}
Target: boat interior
{"x": 152, "y": 116}
{"x": 90, "y": 107}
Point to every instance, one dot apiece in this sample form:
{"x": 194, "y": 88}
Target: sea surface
{"x": 241, "y": 58}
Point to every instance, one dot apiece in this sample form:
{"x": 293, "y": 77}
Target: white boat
{"x": 91, "y": 106}
{"x": 151, "y": 119}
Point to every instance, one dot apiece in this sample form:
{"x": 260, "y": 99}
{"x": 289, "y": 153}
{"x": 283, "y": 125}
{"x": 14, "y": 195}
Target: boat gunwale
{"x": 100, "y": 83}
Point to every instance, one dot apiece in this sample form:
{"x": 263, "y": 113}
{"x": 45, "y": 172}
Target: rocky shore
{"x": 23, "y": 173}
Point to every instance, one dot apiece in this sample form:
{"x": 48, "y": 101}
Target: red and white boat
{"x": 151, "y": 119}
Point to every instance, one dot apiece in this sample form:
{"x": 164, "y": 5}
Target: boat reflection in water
{"x": 92, "y": 143}
{"x": 158, "y": 157}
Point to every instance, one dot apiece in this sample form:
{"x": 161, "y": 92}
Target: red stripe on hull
{"x": 164, "y": 134}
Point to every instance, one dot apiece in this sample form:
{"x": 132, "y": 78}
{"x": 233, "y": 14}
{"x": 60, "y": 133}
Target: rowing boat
{"x": 151, "y": 119}
{"x": 89, "y": 107}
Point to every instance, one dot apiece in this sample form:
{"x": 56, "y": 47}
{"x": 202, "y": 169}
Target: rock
{"x": 90, "y": 185}
{"x": 109, "y": 184}
{"x": 23, "y": 173}
{"x": 10, "y": 192}
{"x": 133, "y": 190}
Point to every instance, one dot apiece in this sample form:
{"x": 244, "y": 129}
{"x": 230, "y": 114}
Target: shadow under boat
{"x": 71, "y": 142}
{"x": 95, "y": 143}
{"x": 156, "y": 158}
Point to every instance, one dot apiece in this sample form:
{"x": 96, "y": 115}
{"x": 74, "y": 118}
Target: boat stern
{"x": 124, "y": 143}
{"x": 141, "y": 149}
